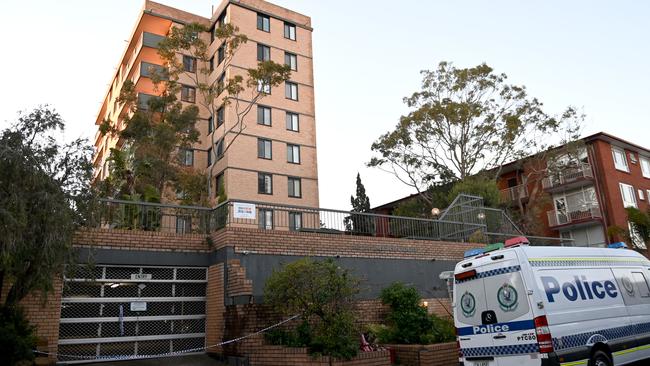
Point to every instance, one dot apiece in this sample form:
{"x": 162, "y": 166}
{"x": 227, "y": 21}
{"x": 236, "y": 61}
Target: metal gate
{"x": 112, "y": 312}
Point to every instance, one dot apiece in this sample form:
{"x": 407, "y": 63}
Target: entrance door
{"x": 561, "y": 213}
{"x": 112, "y": 312}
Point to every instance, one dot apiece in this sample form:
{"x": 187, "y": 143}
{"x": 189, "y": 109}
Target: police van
{"x": 516, "y": 304}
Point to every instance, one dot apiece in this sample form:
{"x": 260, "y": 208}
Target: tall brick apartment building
{"x": 590, "y": 195}
{"x": 282, "y": 124}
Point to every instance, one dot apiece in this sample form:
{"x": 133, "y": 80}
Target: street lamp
{"x": 435, "y": 212}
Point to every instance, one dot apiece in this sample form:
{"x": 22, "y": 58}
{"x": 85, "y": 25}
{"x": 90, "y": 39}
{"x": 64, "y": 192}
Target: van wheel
{"x": 600, "y": 358}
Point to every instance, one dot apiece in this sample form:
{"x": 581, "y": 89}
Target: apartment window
{"x": 294, "y": 187}
{"x": 221, "y": 54}
{"x": 219, "y": 149}
{"x": 620, "y": 162}
{"x": 293, "y": 123}
{"x": 645, "y": 167}
{"x": 263, "y": 115}
{"x": 641, "y": 195}
{"x": 265, "y": 218}
{"x": 220, "y": 116}
{"x": 627, "y": 192}
{"x": 291, "y": 90}
{"x": 264, "y": 149}
{"x": 221, "y": 83}
{"x": 291, "y": 60}
{"x": 187, "y": 157}
{"x": 295, "y": 221}
{"x": 293, "y": 154}
{"x": 263, "y": 22}
{"x": 183, "y": 224}
{"x": 211, "y": 63}
{"x": 189, "y": 63}
{"x": 210, "y": 125}
{"x": 264, "y": 86}
{"x": 635, "y": 238}
{"x": 290, "y": 31}
{"x": 263, "y": 52}
{"x": 188, "y": 94}
{"x": 220, "y": 183}
{"x": 264, "y": 183}
{"x": 209, "y": 156}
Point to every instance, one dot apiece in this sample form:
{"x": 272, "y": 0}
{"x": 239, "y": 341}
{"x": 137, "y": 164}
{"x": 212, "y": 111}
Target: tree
{"x": 323, "y": 293}
{"x": 45, "y": 195}
{"x": 216, "y": 93}
{"x": 360, "y": 203}
{"x": 462, "y": 122}
{"x": 639, "y": 233}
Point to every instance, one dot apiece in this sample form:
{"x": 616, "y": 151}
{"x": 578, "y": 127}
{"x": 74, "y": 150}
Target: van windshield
{"x": 505, "y": 294}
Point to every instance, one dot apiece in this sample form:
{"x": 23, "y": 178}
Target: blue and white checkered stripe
{"x": 514, "y": 349}
{"x": 493, "y": 272}
{"x": 581, "y": 339}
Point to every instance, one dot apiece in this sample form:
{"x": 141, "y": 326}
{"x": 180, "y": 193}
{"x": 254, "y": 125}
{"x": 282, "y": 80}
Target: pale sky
{"x": 367, "y": 56}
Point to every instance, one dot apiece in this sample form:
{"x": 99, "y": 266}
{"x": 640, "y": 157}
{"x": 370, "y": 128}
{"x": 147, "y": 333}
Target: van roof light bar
{"x": 493, "y": 247}
{"x": 519, "y": 240}
{"x": 473, "y": 252}
{"x": 618, "y": 245}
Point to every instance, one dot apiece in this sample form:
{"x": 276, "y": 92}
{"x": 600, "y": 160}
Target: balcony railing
{"x": 559, "y": 218}
{"x": 129, "y": 215}
{"x": 514, "y": 193}
{"x": 568, "y": 175}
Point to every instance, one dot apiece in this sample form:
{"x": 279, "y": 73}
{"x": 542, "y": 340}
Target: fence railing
{"x": 514, "y": 193}
{"x": 557, "y": 218}
{"x": 568, "y": 175}
{"x": 130, "y": 215}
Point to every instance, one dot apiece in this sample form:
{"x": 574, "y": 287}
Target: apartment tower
{"x": 274, "y": 159}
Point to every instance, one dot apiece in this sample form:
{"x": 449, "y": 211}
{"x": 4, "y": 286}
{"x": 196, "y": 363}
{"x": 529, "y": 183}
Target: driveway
{"x": 191, "y": 360}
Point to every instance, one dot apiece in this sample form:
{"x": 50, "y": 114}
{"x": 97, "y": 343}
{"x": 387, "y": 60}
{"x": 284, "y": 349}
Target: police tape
{"x": 176, "y": 353}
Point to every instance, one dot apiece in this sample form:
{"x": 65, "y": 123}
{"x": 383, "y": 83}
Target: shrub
{"x": 408, "y": 322}
{"x": 322, "y": 292}
{"x": 16, "y": 336}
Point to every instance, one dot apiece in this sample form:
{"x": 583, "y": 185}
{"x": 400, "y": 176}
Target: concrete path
{"x": 191, "y": 360}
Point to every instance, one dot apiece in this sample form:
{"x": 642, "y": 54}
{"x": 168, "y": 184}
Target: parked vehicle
{"x": 526, "y": 305}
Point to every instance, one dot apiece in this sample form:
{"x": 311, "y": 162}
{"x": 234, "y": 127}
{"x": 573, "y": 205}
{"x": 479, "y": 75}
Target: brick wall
{"x": 442, "y": 354}
{"x": 238, "y": 284}
{"x": 43, "y": 313}
{"x": 140, "y": 240}
{"x": 214, "y": 321}
{"x": 319, "y": 244}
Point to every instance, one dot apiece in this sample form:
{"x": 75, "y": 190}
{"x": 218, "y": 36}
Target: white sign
{"x": 141, "y": 276}
{"x": 139, "y": 306}
{"x": 244, "y": 210}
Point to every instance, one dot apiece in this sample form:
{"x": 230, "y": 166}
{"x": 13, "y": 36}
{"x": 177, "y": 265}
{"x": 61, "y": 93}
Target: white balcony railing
{"x": 568, "y": 175}
{"x": 514, "y": 193}
{"x": 557, "y": 218}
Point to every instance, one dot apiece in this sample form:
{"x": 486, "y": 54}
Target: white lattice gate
{"x": 113, "y": 312}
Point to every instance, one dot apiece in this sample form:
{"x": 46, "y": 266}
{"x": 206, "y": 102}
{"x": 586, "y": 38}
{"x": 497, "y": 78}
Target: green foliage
{"x": 478, "y": 186}
{"x": 17, "y": 339}
{"x": 45, "y": 195}
{"x": 299, "y": 337}
{"x": 408, "y": 321}
{"x": 464, "y": 121}
{"x": 640, "y": 223}
{"x": 360, "y": 203}
{"x": 322, "y": 292}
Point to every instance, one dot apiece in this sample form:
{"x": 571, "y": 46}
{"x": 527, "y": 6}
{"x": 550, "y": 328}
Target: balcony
{"x": 571, "y": 177}
{"x": 514, "y": 194}
{"x": 573, "y": 217}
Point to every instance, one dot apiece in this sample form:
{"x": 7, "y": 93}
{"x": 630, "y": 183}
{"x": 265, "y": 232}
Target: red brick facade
{"x": 443, "y": 354}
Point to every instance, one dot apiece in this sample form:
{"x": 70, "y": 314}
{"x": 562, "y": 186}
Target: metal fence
{"x": 465, "y": 220}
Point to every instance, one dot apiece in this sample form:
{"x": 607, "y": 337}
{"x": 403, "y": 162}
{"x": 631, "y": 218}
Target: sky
{"x": 368, "y": 55}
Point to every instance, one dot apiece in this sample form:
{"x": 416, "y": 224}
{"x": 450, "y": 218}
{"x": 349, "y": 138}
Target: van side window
{"x": 641, "y": 284}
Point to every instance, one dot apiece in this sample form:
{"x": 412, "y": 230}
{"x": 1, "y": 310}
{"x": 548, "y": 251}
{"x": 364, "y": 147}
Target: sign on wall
{"x": 138, "y": 306}
{"x": 244, "y": 210}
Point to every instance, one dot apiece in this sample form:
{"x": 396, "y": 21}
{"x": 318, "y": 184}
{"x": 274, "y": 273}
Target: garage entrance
{"x": 112, "y": 312}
